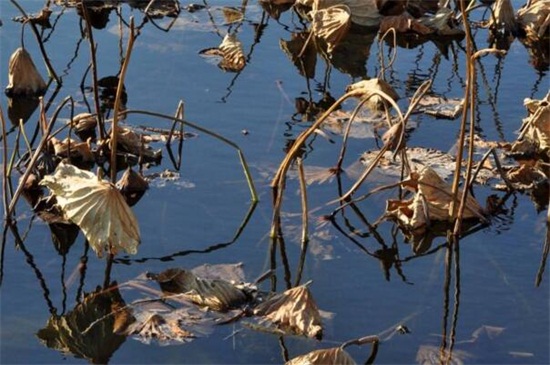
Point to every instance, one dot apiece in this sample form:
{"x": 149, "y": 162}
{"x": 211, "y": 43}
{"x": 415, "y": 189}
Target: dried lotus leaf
{"x": 132, "y": 186}
{"x": 335, "y": 355}
{"x": 23, "y": 77}
{"x": 97, "y": 207}
{"x": 216, "y": 294}
{"x": 363, "y": 12}
{"x": 504, "y": 17}
{"x": 294, "y": 310}
{"x": 232, "y": 52}
{"x": 367, "y": 87}
{"x": 331, "y": 24}
{"x": 535, "y": 19}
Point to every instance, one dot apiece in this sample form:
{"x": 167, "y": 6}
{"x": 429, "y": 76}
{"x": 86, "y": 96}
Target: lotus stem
{"x": 119, "y": 91}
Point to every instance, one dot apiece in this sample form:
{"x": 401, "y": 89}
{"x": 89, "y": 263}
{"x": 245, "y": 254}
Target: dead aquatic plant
{"x": 293, "y": 311}
{"x": 337, "y": 355}
{"x": 23, "y": 77}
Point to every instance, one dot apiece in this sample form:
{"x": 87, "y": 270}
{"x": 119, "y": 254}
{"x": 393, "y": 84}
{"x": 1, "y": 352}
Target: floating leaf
{"x": 96, "y": 207}
{"x": 216, "y": 294}
{"x": 84, "y": 125}
{"x": 440, "y": 107}
{"x": 69, "y": 148}
{"x": 335, "y": 355}
{"x": 23, "y": 77}
{"x": 294, "y": 311}
{"x": 331, "y": 24}
{"x": 136, "y": 144}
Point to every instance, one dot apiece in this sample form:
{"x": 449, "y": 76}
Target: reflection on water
{"x": 449, "y": 290}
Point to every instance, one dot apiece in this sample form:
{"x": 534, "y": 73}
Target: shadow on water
{"x": 96, "y": 324}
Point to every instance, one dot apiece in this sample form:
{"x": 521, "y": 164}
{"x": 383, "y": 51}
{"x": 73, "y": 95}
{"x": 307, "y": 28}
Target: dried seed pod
{"x": 23, "y": 76}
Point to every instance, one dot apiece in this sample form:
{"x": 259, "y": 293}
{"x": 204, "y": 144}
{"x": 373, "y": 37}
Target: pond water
{"x": 477, "y": 300}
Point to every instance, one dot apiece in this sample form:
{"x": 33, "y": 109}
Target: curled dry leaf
{"x": 216, "y": 294}
{"x": 432, "y": 202}
{"x": 331, "y": 24}
{"x": 96, "y": 207}
{"x": 534, "y": 18}
{"x": 71, "y": 148}
{"x": 367, "y": 87}
{"x": 84, "y": 125}
{"x": 23, "y": 77}
{"x": 156, "y": 327}
{"x": 132, "y": 186}
{"x": 335, "y": 355}
{"x": 535, "y": 130}
{"x": 293, "y": 311}
{"x": 136, "y": 144}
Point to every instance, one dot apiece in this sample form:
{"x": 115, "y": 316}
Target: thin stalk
{"x": 469, "y": 65}
{"x": 90, "y": 33}
{"x": 305, "y": 238}
{"x": 247, "y": 174}
{"x": 36, "y": 155}
{"x": 4, "y": 165}
{"x": 119, "y": 91}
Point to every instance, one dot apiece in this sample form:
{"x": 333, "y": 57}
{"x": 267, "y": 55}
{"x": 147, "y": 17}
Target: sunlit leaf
{"x": 368, "y": 86}
{"x": 293, "y": 311}
{"x": 216, "y": 294}
{"x": 96, "y": 207}
{"x": 331, "y": 24}
{"x": 136, "y": 144}
{"x": 71, "y": 148}
{"x": 535, "y": 130}
{"x": 335, "y": 355}
{"x": 534, "y": 18}
{"x": 232, "y": 52}
{"x": 87, "y": 331}
{"x": 431, "y": 202}
{"x": 23, "y": 77}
